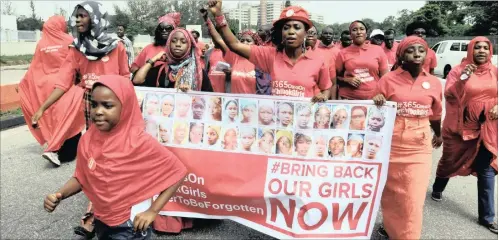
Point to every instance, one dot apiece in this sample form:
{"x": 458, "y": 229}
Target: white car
{"x": 450, "y": 53}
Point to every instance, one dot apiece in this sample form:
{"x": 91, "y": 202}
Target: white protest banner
{"x": 283, "y": 166}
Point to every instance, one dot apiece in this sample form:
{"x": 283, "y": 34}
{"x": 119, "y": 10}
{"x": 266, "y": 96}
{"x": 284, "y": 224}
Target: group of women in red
{"x": 89, "y": 73}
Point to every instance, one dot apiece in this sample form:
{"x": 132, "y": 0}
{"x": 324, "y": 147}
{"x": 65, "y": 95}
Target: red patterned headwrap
{"x": 258, "y": 41}
{"x": 170, "y": 18}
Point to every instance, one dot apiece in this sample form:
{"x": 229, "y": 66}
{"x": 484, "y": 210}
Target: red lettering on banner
{"x": 288, "y": 215}
{"x": 367, "y": 189}
{"x": 304, "y": 210}
{"x": 346, "y": 190}
{"x": 357, "y": 172}
{"x": 352, "y": 220}
{"x": 304, "y": 170}
{"x": 289, "y": 188}
{"x": 337, "y": 217}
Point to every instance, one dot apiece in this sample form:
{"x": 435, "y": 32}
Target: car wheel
{"x": 446, "y": 71}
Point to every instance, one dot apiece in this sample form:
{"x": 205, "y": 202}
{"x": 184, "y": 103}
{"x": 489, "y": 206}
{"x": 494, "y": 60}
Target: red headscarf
{"x": 125, "y": 166}
{"x": 58, "y": 124}
{"x": 258, "y": 41}
{"x": 407, "y": 42}
{"x": 190, "y": 72}
{"x": 171, "y": 19}
{"x": 471, "y": 60}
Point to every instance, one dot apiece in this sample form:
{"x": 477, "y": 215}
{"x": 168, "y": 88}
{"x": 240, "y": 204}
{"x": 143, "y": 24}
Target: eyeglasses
{"x": 165, "y": 28}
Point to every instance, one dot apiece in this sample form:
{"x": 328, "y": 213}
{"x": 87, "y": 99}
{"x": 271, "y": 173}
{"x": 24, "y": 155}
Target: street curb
{"x": 11, "y": 122}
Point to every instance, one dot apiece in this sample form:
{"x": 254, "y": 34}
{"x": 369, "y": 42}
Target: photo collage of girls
{"x": 263, "y": 126}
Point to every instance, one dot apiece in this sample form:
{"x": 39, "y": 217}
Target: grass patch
{"x": 15, "y": 112}
{"x": 15, "y": 60}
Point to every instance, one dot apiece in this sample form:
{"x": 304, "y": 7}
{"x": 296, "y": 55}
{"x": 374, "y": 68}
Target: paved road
{"x": 26, "y": 178}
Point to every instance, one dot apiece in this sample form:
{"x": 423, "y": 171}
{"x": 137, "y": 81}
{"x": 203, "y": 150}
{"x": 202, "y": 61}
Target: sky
{"x": 333, "y": 11}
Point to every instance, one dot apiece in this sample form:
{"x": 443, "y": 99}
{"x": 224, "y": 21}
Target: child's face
{"x": 164, "y": 134}
{"x": 183, "y": 107}
{"x": 167, "y": 107}
{"x": 105, "y": 108}
{"x": 196, "y": 134}
{"x": 354, "y": 146}
{"x": 180, "y": 133}
{"x": 376, "y": 121}
{"x": 322, "y": 117}
{"x": 230, "y": 140}
{"x": 358, "y": 118}
{"x": 248, "y": 112}
{"x": 302, "y": 147}
{"x": 212, "y": 136}
{"x": 152, "y": 105}
{"x": 247, "y": 140}
{"x": 336, "y": 145}
{"x": 266, "y": 143}
{"x": 339, "y": 118}
{"x": 285, "y": 114}
{"x": 303, "y": 117}
{"x": 231, "y": 110}
{"x": 284, "y": 145}
{"x": 373, "y": 146}
{"x": 197, "y": 110}
{"x": 265, "y": 115}
{"x": 320, "y": 143}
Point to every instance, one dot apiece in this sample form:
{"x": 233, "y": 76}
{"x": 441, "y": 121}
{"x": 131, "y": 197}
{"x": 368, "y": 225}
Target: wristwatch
{"x": 150, "y": 62}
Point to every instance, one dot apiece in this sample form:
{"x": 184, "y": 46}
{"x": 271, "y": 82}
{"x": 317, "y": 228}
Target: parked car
{"x": 450, "y": 53}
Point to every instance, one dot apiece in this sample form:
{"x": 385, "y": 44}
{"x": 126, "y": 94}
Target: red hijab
{"x": 125, "y": 166}
{"x": 186, "y": 69}
{"x": 471, "y": 60}
{"x": 406, "y": 43}
{"x": 58, "y": 124}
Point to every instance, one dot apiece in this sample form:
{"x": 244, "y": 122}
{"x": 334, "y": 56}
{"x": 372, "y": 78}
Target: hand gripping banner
{"x": 282, "y": 166}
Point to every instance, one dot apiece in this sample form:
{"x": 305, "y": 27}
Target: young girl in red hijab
{"x": 119, "y": 165}
{"x": 418, "y": 95}
{"x": 185, "y": 70}
{"x": 92, "y": 53}
{"x": 61, "y": 129}
{"x": 470, "y": 128}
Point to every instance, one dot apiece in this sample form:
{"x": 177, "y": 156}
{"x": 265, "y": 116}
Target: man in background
{"x": 120, "y": 31}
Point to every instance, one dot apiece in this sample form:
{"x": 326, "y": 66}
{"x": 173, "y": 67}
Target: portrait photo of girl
{"x": 151, "y": 104}
{"x": 340, "y": 117}
{"x": 214, "y": 108}
{"x": 167, "y": 105}
{"x": 284, "y": 143}
{"x": 249, "y": 114}
{"x": 230, "y": 111}
{"x": 229, "y": 140}
{"x": 266, "y": 139}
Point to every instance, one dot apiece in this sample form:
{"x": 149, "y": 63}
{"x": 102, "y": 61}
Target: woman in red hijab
{"x": 470, "y": 145}
{"x": 418, "y": 95}
{"x": 149, "y": 68}
{"x": 92, "y": 53}
{"x": 61, "y": 129}
{"x": 360, "y": 66}
{"x": 119, "y": 165}
{"x": 295, "y": 72}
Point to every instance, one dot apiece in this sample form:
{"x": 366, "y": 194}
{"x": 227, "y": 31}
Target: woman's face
{"x": 197, "y": 110}
{"x": 165, "y": 29}
{"x": 266, "y": 143}
{"x": 247, "y": 140}
{"x": 178, "y": 45}
{"x": 196, "y": 134}
{"x": 247, "y": 39}
{"x": 358, "y": 119}
{"x": 231, "y": 110}
{"x": 320, "y": 144}
{"x": 285, "y": 114}
{"x": 248, "y": 112}
{"x": 303, "y": 117}
{"x": 336, "y": 145}
{"x": 82, "y": 20}
{"x": 167, "y": 107}
{"x": 293, "y": 34}
{"x": 358, "y": 32}
{"x": 354, "y": 147}
{"x": 265, "y": 115}
{"x": 284, "y": 145}
{"x": 322, "y": 117}
{"x": 339, "y": 118}
{"x": 230, "y": 140}
{"x": 152, "y": 105}
{"x": 302, "y": 146}
{"x": 481, "y": 52}
{"x": 212, "y": 136}
{"x": 415, "y": 54}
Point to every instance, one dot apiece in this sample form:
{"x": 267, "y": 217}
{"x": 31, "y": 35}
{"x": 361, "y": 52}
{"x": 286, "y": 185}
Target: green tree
{"x": 7, "y": 8}
{"x": 371, "y": 24}
{"x": 483, "y": 15}
{"x": 388, "y": 22}
{"x": 30, "y": 23}
{"x": 405, "y": 17}
{"x": 431, "y": 15}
